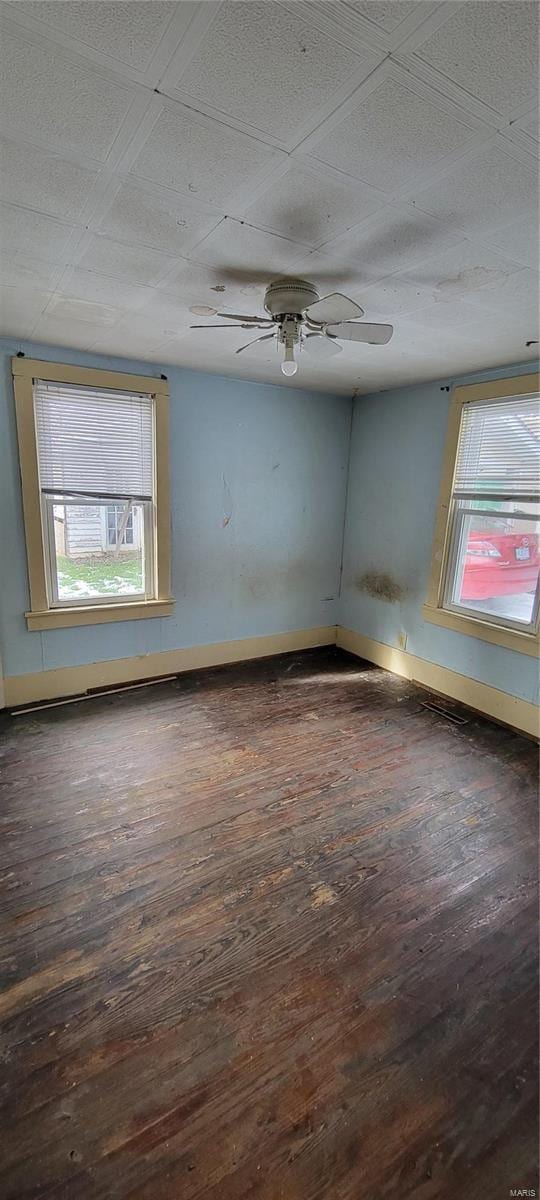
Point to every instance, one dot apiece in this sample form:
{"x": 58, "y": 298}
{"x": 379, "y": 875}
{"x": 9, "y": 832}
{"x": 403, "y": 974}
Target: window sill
{"x": 511, "y": 639}
{"x": 98, "y": 614}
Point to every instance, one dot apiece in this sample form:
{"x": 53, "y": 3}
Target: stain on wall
{"x": 396, "y": 455}
{"x": 379, "y": 585}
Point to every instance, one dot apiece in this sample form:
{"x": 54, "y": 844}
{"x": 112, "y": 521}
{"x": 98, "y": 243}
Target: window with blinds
{"x": 92, "y": 442}
{"x": 95, "y": 451}
{"x": 493, "y": 545}
{"x": 498, "y": 450}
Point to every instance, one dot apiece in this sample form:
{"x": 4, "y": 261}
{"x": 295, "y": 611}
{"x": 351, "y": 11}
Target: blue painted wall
{"x": 272, "y": 459}
{"x": 396, "y": 456}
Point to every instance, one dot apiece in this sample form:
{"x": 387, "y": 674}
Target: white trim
{"x": 65, "y": 681}
{"x": 69, "y": 681}
{"x": 511, "y": 710}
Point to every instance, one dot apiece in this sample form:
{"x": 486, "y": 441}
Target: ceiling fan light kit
{"x": 300, "y": 319}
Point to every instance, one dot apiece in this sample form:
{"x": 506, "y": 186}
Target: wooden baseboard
{"x": 71, "y": 681}
{"x": 519, "y": 714}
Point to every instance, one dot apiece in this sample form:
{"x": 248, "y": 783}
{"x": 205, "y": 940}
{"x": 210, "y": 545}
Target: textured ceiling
{"x": 155, "y": 156}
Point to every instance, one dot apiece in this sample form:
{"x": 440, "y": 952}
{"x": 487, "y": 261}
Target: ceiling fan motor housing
{"x": 289, "y": 297}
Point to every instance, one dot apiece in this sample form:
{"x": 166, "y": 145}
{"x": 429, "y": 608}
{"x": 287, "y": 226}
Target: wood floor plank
{"x": 269, "y": 931}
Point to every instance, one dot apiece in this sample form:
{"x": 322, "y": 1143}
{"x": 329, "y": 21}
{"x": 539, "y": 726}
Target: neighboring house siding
{"x": 81, "y": 530}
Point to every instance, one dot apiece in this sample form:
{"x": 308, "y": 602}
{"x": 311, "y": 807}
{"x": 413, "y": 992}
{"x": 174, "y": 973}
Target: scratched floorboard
{"x": 270, "y": 932}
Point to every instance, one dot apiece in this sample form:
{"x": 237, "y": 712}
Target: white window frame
{"x": 439, "y": 608}
{"x": 457, "y": 534}
{"x": 47, "y": 508}
{"x": 46, "y": 609}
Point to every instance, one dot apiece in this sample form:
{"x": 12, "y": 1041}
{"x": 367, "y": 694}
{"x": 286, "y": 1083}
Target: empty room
{"x": 269, "y": 599}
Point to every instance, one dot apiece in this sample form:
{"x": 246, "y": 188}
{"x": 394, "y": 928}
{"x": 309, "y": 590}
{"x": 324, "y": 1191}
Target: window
{"x": 485, "y": 577}
{"x": 95, "y": 493}
{"x": 119, "y": 526}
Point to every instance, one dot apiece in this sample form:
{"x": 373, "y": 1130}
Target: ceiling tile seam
{"x": 529, "y": 108}
{"x": 65, "y": 222}
{"x": 326, "y": 171}
{"x": 98, "y": 198}
{"x": 100, "y": 201}
{"x": 146, "y": 76}
{"x": 441, "y": 82}
{"x": 300, "y": 143}
{"x": 412, "y": 31}
{"x": 84, "y": 245}
{"x": 405, "y": 28}
{"x": 197, "y": 108}
{"x": 519, "y": 137}
{"x": 73, "y": 45}
{"x": 43, "y": 41}
{"x": 197, "y": 29}
{"x": 302, "y": 247}
{"x": 208, "y": 120}
{"x": 174, "y": 36}
{"x": 355, "y": 25}
{"x": 360, "y": 92}
{"x": 443, "y": 101}
{"x": 429, "y": 25}
{"x": 141, "y": 132}
{"x": 518, "y": 122}
{"x": 394, "y": 70}
{"x": 409, "y": 188}
{"x": 514, "y": 149}
{"x": 485, "y": 239}
{"x": 71, "y": 268}
{"x": 16, "y": 132}
{"x": 263, "y": 136}
{"x": 108, "y": 184}
{"x": 259, "y": 187}
{"x": 33, "y": 141}
{"x": 168, "y": 274}
{"x": 421, "y": 178}
{"x": 334, "y": 102}
{"x": 141, "y": 183}
{"x": 61, "y": 146}
{"x": 144, "y": 245}
{"x": 444, "y": 168}
{"x": 350, "y": 24}
{"x": 56, "y": 272}
{"x": 58, "y": 146}
{"x": 94, "y": 229}
{"x": 237, "y": 203}
{"x": 401, "y": 272}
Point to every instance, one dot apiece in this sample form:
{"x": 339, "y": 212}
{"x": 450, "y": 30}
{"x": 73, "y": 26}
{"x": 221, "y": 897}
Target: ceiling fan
{"x": 299, "y": 319}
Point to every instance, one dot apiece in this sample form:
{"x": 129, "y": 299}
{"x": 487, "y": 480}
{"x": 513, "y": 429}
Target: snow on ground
{"x": 72, "y": 588}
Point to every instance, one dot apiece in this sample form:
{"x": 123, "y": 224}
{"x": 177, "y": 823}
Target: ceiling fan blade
{"x": 362, "y": 331}
{"x": 265, "y": 338}
{"x": 249, "y": 320}
{"x": 320, "y": 346}
{"x": 334, "y": 307}
{"x": 243, "y": 326}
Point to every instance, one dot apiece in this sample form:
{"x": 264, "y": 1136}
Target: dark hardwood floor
{"x": 270, "y": 933}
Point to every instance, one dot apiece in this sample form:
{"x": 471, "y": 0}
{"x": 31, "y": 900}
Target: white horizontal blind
{"x": 93, "y": 441}
{"x": 499, "y": 449}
